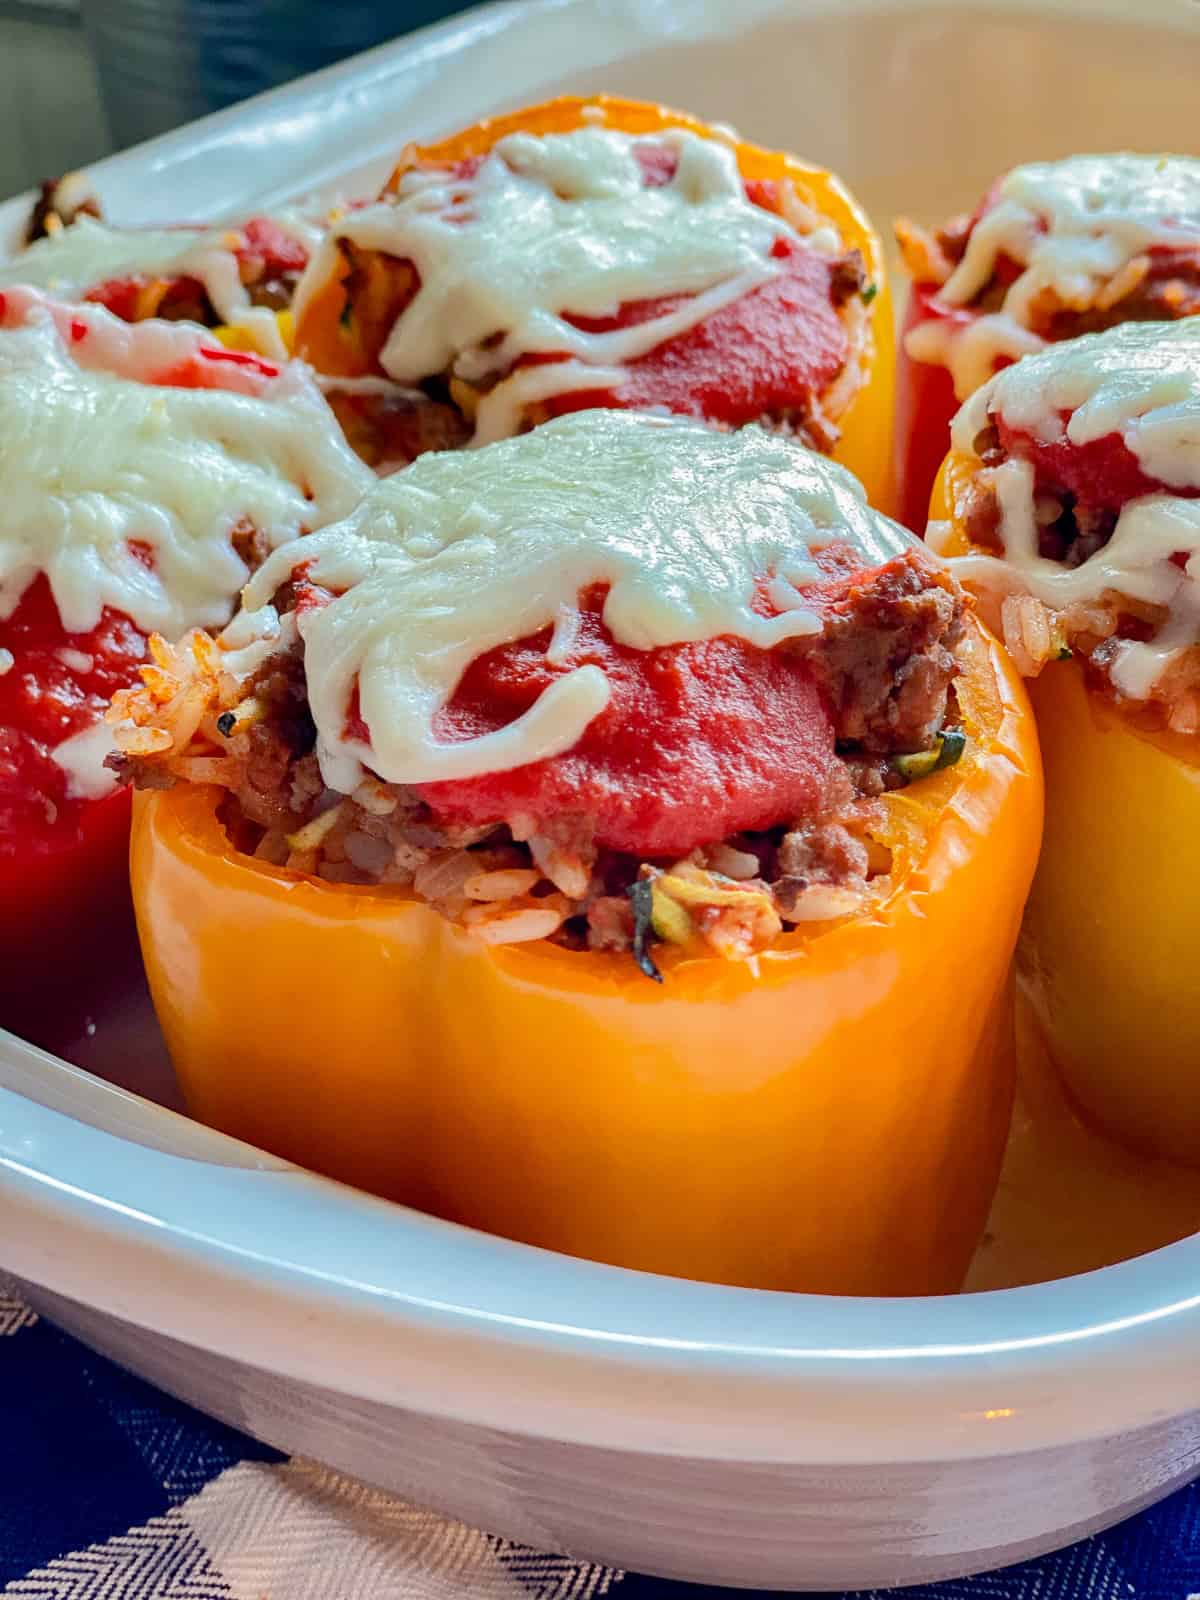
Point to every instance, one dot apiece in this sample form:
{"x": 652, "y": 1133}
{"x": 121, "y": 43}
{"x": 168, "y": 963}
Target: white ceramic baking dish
{"x": 695, "y": 1431}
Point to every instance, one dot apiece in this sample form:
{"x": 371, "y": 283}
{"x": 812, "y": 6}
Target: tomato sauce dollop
{"x": 764, "y": 354}
{"x": 698, "y": 741}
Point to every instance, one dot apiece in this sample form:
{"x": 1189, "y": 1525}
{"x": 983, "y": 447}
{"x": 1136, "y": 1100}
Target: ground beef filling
{"x": 390, "y": 431}
{"x": 885, "y": 666}
{"x": 1079, "y": 492}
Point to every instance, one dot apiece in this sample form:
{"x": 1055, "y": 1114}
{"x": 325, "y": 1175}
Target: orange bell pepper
{"x": 1107, "y": 928}
{"x": 350, "y": 348}
{"x": 829, "y": 1116}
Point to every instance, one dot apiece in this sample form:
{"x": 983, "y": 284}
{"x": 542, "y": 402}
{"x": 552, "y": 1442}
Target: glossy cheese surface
{"x": 132, "y": 453}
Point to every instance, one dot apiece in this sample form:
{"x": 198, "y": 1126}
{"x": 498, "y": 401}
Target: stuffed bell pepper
{"x": 628, "y": 796}
{"x": 604, "y": 252}
{"x": 238, "y": 276}
{"x": 144, "y": 471}
{"x": 1072, "y": 501}
{"x": 1054, "y": 250}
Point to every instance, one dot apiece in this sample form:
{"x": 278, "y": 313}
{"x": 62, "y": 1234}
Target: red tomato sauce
{"x": 45, "y": 699}
{"x": 120, "y": 295}
{"x": 768, "y": 352}
{"x": 697, "y": 742}
{"x": 1102, "y": 473}
{"x": 267, "y": 251}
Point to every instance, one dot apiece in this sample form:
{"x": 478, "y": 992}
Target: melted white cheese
{"x": 82, "y": 758}
{"x": 1072, "y": 226}
{"x": 95, "y": 457}
{"x": 555, "y": 224}
{"x": 87, "y": 253}
{"x": 465, "y": 551}
{"x": 1142, "y": 382}
{"x": 971, "y": 351}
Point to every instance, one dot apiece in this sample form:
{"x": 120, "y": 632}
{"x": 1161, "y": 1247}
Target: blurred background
{"x": 80, "y": 78}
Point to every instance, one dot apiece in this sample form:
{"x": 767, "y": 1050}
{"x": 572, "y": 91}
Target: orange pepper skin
{"x": 1107, "y": 940}
{"x": 829, "y": 1117}
{"x": 864, "y": 447}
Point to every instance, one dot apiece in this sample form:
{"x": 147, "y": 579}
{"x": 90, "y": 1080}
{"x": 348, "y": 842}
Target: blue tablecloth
{"x": 110, "y": 1490}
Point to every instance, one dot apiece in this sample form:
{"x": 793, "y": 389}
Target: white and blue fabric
{"x": 110, "y": 1490}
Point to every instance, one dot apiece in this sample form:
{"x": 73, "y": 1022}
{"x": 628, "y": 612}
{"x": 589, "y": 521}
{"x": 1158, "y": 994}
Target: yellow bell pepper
{"x": 1106, "y": 942}
{"x": 344, "y": 346}
{"x": 237, "y": 336}
{"x": 828, "y": 1116}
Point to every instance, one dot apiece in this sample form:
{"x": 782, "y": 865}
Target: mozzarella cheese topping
{"x": 124, "y": 493}
{"x": 1142, "y": 382}
{"x": 562, "y": 223}
{"x": 466, "y": 551}
{"x": 1072, "y": 226}
{"x": 87, "y": 253}
{"x": 82, "y": 758}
